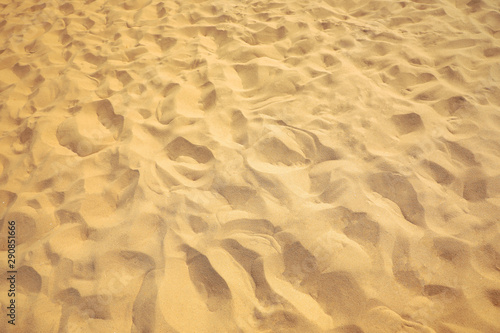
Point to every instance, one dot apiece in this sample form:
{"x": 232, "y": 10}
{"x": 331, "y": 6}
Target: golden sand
{"x": 251, "y": 166}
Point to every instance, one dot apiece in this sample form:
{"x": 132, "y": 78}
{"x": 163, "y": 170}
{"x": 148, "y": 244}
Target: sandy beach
{"x": 250, "y": 166}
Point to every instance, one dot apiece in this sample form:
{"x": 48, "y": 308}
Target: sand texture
{"x": 251, "y": 166}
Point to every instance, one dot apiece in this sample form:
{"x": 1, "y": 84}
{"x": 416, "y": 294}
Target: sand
{"x": 251, "y": 166}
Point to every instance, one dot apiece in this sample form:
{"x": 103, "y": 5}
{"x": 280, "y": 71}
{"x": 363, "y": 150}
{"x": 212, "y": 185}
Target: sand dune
{"x": 251, "y": 166}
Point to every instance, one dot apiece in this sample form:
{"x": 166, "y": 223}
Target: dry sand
{"x": 251, "y": 166}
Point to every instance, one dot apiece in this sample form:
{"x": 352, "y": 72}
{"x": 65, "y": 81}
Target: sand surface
{"x": 251, "y": 166}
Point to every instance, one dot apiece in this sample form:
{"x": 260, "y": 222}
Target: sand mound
{"x": 255, "y": 166}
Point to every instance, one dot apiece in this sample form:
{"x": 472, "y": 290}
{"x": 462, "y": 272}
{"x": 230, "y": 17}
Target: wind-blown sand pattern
{"x": 251, "y": 166}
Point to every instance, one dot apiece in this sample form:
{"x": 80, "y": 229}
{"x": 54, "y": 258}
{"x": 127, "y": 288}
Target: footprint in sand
{"x": 207, "y": 281}
{"x": 92, "y": 129}
{"x": 185, "y": 163}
